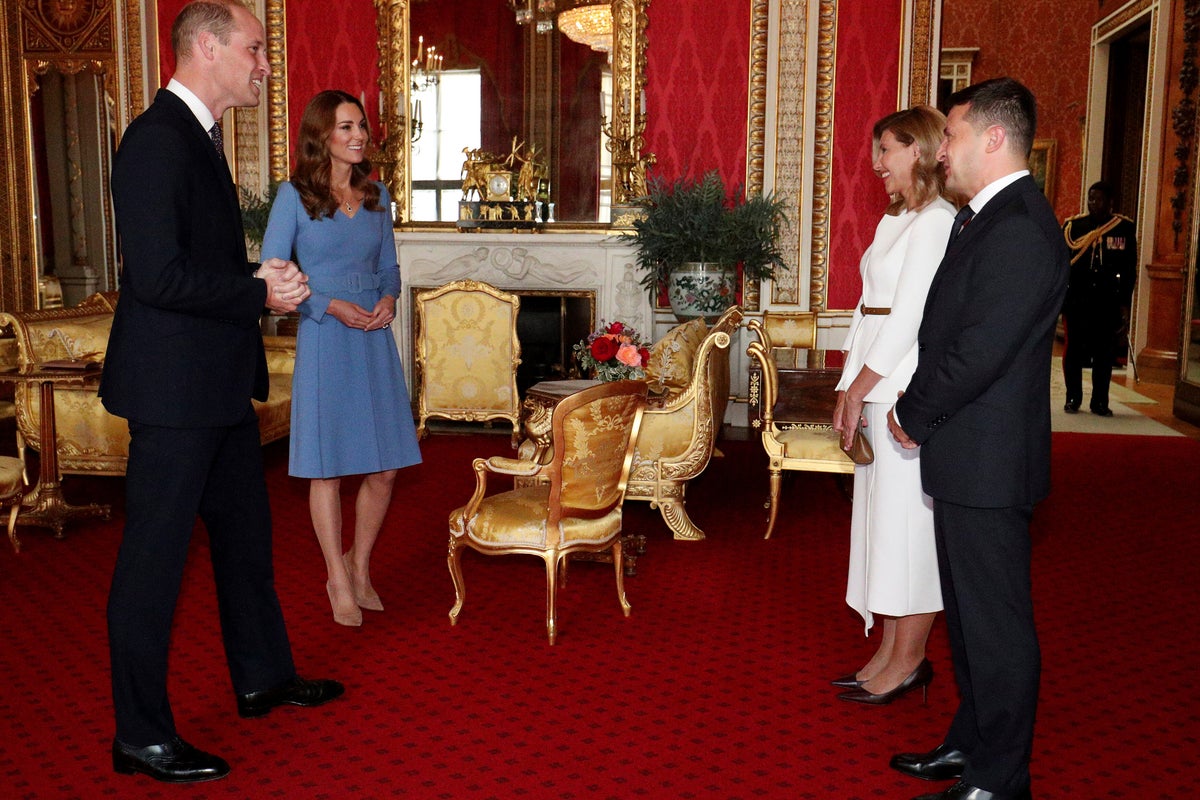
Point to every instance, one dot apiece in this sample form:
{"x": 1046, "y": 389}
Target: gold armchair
{"x": 797, "y": 431}
{"x": 90, "y": 440}
{"x": 676, "y": 441}
{"x": 577, "y": 510}
{"x": 467, "y": 355}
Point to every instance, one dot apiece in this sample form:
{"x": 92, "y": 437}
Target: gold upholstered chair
{"x": 467, "y": 355}
{"x": 577, "y": 510}
{"x": 12, "y": 490}
{"x": 797, "y": 430}
{"x": 676, "y": 440}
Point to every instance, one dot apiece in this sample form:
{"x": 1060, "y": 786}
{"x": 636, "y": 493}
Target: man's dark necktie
{"x": 219, "y": 142}
{"x": 960, "y": 221}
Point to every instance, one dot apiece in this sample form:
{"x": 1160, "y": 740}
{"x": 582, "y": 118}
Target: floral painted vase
{"x": 701, "y": 289}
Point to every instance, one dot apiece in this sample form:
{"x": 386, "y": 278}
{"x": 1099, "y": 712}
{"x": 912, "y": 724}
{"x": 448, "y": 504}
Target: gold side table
{"x": 44, "y": 505}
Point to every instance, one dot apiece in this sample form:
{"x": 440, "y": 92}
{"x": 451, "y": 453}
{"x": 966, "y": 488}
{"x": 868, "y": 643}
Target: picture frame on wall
{"x": 1042, "y": 164}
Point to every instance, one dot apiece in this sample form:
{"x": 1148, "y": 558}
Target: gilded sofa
{"x": 90, "y": 440}
{"x": 676, "y": 440}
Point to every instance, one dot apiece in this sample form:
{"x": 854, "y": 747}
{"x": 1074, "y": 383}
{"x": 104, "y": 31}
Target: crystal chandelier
{"x": 587, "y": 22}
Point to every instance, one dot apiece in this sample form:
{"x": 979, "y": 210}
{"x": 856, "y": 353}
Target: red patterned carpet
{"x": 715, "y": 687}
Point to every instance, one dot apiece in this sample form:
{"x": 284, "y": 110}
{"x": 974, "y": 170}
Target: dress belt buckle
{"x": 354, "y": 282}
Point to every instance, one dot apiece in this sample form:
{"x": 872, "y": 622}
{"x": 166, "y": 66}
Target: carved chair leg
{"x": 776, "y": 481}
{"x": 12, "y": 524}
{"x": 453, "y": 560}
{"x": 675, "y": 515}
{"x": 552, "y": 596}
{"x": 618, "y": 564}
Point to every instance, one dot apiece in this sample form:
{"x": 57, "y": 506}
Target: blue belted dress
{"x": 350, "y": 409}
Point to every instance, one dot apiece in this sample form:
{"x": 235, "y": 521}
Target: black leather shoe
{"x": 939, "y": 764}
{"x": 963, "y": 791}
{"x": 173, "y": 762}
{"x": 1071, "y": 407}
{"x": 850, "y": 681}
{"x": 1102, "y": 412}
{"x": 919, "y": 678}
{"x": 296, "y": 692}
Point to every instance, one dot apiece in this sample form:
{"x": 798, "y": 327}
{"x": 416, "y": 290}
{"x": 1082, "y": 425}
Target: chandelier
{"x": 587, "y": 22}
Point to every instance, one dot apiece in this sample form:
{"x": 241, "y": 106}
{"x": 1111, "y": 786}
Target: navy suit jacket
{"x": 185, "y": 348}
{"x": 979, "y": 401}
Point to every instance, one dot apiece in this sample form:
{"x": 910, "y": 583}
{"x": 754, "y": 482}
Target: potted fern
{"x": 693, "y": 237}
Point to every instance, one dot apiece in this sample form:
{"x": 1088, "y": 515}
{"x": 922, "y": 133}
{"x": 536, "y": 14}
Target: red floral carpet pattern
{"x": 715, "y": 687}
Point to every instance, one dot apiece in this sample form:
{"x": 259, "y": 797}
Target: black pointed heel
{"x": 850, "y": 681}
{"x": 918, "y": 678}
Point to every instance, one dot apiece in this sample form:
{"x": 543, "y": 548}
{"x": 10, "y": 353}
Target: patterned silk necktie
{"x": 219, "y": 142}
{"x": 960, "y": 221}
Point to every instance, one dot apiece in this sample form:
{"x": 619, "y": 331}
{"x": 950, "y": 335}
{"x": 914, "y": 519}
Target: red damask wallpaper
{"x": 698, "y": 67}
{"x": 865, "y": 89}
{"x": 328, "y": 50}
{"x": 1045, "y": 45}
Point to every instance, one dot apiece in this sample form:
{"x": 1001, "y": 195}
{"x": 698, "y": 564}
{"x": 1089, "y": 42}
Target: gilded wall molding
{"x": 822, "y": 154}
{"x": 1110, "y": 25}
{"x": 922, "y": 53}
{"x": 392, "y": 159}
{"x": 756, "y": 127}
{"x": 131, "y": 51}
{"x": 277, "y": 106}
{"x": 18, "y": 283}
{"x": 789, "y": 146}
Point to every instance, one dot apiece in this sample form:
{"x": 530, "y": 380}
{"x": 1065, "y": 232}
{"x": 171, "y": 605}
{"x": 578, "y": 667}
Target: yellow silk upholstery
{"x": 676, "y": 441}
{"x": 672, "y": 357}
{"x": 90, "y": 440}
{"x": 12, "y": 489}
{"x": 467, "y": 354}
{"x": 807, "y": 447}
{"x": 576, "y": 509}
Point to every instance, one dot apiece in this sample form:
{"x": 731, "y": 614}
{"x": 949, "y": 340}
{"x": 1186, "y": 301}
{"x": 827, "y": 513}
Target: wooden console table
{"x": 44, "y": 505}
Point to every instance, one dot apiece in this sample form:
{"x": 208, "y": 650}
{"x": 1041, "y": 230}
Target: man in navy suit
{"x": 978, "y": 406}
{"x": 184, "y": 358}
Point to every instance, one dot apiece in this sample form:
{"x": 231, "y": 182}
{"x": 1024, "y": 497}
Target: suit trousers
{"x": 983, "y": 557}
{"x": 173, "y": 476}
{"x": 1091, "y": 336}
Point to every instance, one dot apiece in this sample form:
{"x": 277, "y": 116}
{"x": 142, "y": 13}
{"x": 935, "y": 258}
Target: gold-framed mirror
{"x": 620, "y": 177}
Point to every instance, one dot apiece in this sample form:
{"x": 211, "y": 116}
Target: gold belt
{"x": 879, "y": 312}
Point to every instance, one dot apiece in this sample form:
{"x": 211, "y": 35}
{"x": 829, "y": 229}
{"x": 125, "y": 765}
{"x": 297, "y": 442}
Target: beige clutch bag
{"x": 860, "y": 451}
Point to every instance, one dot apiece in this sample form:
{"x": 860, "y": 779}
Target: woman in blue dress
{"x": 350, "y": 409}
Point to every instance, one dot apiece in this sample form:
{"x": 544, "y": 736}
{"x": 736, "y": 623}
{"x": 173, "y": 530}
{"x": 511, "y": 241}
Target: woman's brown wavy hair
{"x": 923, "y": 125}
{"x": 311, "y": 175}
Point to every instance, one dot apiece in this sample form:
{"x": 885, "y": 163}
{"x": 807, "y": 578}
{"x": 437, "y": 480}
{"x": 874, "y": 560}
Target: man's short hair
{"x": 1103, "y": 187}
{"x": 1004, "y": 102}
{"x": 213, "y": 16}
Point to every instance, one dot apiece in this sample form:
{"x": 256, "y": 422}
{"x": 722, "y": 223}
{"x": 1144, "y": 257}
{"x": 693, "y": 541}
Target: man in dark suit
{"x": 184, "y": 358}
{"x": 978, "y": 406}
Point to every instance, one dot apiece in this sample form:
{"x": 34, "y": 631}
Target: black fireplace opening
{"x": 549, "y": 325}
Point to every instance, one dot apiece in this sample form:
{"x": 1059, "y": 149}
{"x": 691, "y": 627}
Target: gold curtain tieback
{"x": 877, "y": 312}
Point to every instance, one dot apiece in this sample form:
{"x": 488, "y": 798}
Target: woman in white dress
{"x": 893, "y": 562}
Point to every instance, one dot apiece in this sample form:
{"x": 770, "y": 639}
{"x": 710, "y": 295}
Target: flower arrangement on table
{"x": 613, "y": 353}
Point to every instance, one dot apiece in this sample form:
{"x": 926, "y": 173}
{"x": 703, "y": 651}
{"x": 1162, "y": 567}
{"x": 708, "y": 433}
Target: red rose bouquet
{"x": 613, "y": 353}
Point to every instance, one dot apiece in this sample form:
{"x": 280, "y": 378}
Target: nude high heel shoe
{"x": 366, "y": 597}
{"x": 351, "y": 619}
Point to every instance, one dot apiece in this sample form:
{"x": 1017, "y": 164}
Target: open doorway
{"x": 1125, "y": 116}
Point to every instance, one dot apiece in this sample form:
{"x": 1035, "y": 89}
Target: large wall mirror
{"x": 560, "y": 78}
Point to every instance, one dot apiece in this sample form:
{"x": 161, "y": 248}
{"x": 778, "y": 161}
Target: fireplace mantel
{"x": 596, "y": 262}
